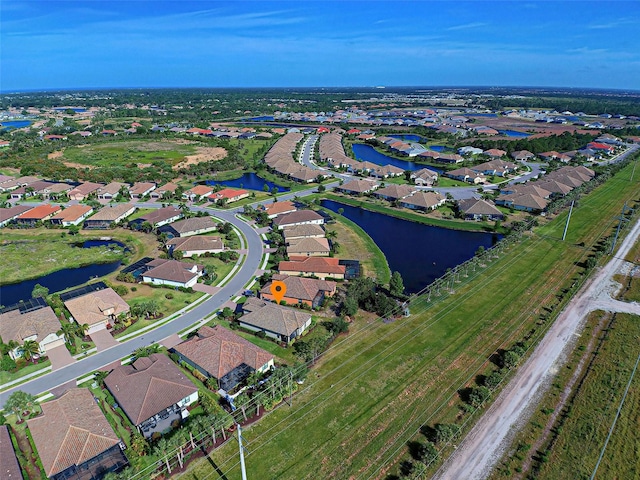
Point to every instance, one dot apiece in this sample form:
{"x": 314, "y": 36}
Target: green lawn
{"x": 378, "y": 385}
{"x": 32, "y": 253}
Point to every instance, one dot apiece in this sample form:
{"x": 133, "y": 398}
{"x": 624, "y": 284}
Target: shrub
{"x": 168, "y": 296}
{"x": 134, "y": 289}
{"x": 7, "y": 364}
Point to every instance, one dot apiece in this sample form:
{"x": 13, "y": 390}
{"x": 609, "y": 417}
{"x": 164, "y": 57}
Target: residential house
{"x": 84, "y": 190}
{"x": 309, "y": 291}
{"x": 14, "y": 183}
{"x": 173, "y": 273}
{"x": 152, "y": 392}
{"x": 357, "y": 187}
{"x": 321, "y": 267}
{"x": 299, "y": 217}
{"x": 195, "y": 245}
{"x": 470, "y": 151}
{"x": 305, "y": 175}
{"x": 190, "y": 226}
{"x": 598, "y": 146}
{"x": 40, "y": 325}
{"x": 221, "y": 354}
{"x": 394, "y": 192}
{"x": 74, "y": 438}
{"x": 278, "y": 208}
{"x": 554, "y": 187}
{"x": 197, "y": 193}
{"x": 280, "y": 323}
{"x": 522, "y": 155}
{"x": 466, "y": 175}
{"x": 228, "y": 195}
{"x": 9, "y": 465}
{"x": 9, "y": 214}
{"x": 141, "y": 189}
{"x": 110, "y": 191}
{"x": 423, "y": 201}
{"x": 495, "y": 152}
{"x": 109, "y": 216}
{"x": 524, "y": 202}
{"x": 157, "y": 218}
{"x": 98, "y": 309}
{"x": 479, "y": 209}
{"x": 40, "y": 213}
{"x": 32, "y": 189}
{"x": 309, "y": 247}
{"x": 385, "y": 171}
{"x": 424, "y": 177}
{"x": 72, "y": 215}
{"x": 303, "y": 231}
{"x": 165, "y": 190}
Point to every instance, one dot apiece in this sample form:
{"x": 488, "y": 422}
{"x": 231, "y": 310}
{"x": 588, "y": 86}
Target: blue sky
{"x": 92, "y": 43}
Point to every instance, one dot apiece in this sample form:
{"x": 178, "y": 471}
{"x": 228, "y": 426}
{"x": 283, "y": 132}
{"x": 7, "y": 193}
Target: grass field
{"x": 131, "y": 151}
{"x": 375, "y": 388}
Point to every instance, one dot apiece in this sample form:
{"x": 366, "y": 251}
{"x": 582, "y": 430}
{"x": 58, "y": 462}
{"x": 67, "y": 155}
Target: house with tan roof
{"x": 495, "y": 152}
{"x": 310, "y": 291}
{"x": 195, "y": 245}
{"x": 357, "y": 187}
{"x": 173, "y": 273}
{"x": 141, "y": 189}
{"x": 152, "y": 391}
{"x": 190, "y": 226}
{"x": 158, "y": 218}
{"x": 522, "y": 155}
{"x": 110, "y": 190}
{"x": 221, "y": 354}
{"x": 13, "y": 183}
{"x": 278, "y": 208}
{"x": 74, "y": 439}
{"x": 40, "y": 213}
{"x": 40, "y": 325}
{"x": 97, "y": 309}
{"x": 466, "y": 175}
{"x": 309, "y": 247}
{"x": 84, "y": 190}
{"x": 280, "y": 323}
{"x": 164, "y": 190}
{"x": 479, "y": 209}
{"x": 394, "y": 192}
{"x": 424, "y": 177}
{"x": 109, "y": 216}
{"x": 228, "y": 195}
{"x": 321, "y": 267}
{"x": 523, "y": 202}
{"x": 72, "y": 215}
{"x": 197, "y": 193}
{"x": 303, "y": 231}
{"x": 299, "y": 217}
{"x": 424, "y": 201}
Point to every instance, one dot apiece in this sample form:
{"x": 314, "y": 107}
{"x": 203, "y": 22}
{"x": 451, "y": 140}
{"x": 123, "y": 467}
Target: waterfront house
{"x": 394, "y": 192}
{"x": 9, "y": 214}
{"x": 229, "y": 195}
{"x": 425, "y": 201}
{"x": 424, "y": 177}
{"x": 321, "y": 267}
{"x": 72, "y": 215}
{"x": 109, "y": 216}
{"x": 98, "y": 309}
{"x": 40, "y": 213}
{"x": 479, "y": 209}
{"x": 308, "y": 247}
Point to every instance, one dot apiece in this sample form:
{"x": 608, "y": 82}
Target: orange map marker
{"x": 278, "y": 289}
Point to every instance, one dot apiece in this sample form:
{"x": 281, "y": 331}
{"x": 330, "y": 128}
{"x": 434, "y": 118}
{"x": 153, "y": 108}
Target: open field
{"x": 375, "y": 388}
{"x": 120, "y": 153}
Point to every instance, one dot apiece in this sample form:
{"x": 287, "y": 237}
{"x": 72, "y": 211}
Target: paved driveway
{"x": 59, "y": 357}
{"x": 103, "y": 339}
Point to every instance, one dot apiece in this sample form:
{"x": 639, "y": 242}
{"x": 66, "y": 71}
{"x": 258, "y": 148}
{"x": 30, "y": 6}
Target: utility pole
{"x": 242, "y": 467}
{"x": 566, "y": 227}
{"x": 621, "y": 219}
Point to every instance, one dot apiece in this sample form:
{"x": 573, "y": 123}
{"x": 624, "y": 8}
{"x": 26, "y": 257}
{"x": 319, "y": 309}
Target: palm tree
{"x": 242, "y": 401}
{"x": 68, "y": 330}
{"x": 30, "y": 349}
{"x": 99, "y": 376}
{"x": 81, "y": 330}
{"x": 331, "y": 234}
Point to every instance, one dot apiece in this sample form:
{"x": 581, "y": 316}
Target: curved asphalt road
{"x": 82, "y": 367}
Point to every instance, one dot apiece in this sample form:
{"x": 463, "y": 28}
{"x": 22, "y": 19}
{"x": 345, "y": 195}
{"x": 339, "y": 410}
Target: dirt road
{"x": 484, "y": 445}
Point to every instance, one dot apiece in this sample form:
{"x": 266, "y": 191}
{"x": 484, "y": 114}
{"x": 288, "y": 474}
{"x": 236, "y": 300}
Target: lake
{"x": 13, "y": 124}
{"x": 514, "y": 133}
{"x": 55, "y": 282}
{"x": 249, "y": 181}
{"x": 421, "y": 253}
{"x": 75, "y": 109}
{"x": 368, "y": 153}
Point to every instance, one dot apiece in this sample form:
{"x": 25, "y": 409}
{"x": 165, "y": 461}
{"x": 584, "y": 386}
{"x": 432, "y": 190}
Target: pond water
{"x": 408, "y": 138}
{"x": 249, "y": 181}
{"x": 421, "y": 253}
{"x": 55, "y": 282}
{"x": 75, "y": 109}
{"x": 368, "y": 153}
{"x": 62, "y": 279}
{"x": 13, "y": 124}
{"x": 514, "y": 133}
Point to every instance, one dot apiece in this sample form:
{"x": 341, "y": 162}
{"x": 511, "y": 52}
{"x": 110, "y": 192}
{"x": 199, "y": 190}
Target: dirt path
{"x": 483, "y": 446}
{"x": 203, "y": 154}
